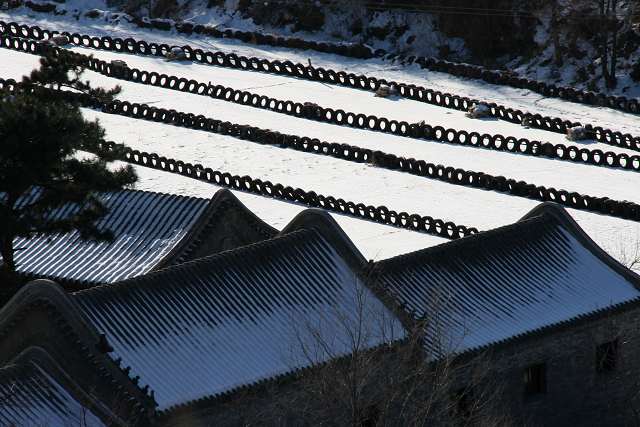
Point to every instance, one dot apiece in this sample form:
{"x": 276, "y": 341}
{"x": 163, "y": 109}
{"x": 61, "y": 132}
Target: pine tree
{"x": 42, "y": 164}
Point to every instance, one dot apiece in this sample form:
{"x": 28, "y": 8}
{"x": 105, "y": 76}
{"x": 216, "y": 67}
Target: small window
{"x": 606, "y": 356}
{"x": 535, "y": 379}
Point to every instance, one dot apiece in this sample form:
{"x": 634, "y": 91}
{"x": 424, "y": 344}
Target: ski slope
{"x": 351, "y": 181}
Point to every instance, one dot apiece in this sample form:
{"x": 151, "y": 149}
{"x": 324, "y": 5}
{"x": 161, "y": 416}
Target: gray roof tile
{"x": 146, "y": 227}
{"x": 504, "y": 283}
{"x": 31, "y": 395}
{"x": 207, "y": 327}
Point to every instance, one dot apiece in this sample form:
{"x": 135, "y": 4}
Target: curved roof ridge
{"x": 38, "y": 356}
{"x": 224, "y": 195}
{"x": 545, "y": 215}
{"x": 35, "y": 353}
{"x": 38, "y": 290}
{"x": 221, "y": 201}
{"x": 468, "y": 241}
{"x": 552, "y": 209}
{"x": 561, "y": 215}
{"x": 50, "y": 296}
{"x": 323, "y": 223}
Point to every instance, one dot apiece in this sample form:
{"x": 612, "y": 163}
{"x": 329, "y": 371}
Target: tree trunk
{"x": 8, "y": 258}
{"x": 612, "y": 81}
{"x": 8, "y": 266}
{"x": 604, "y": 39}
{"x": 555, "y": 31}
{"x": 9, "y": 279}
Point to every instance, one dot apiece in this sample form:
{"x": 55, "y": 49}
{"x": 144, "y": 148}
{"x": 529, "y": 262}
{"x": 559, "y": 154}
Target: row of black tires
{"x": 140, "y": 47}
{"x": 288, "y": 68}
{"x": 340, "y": 117}
{"x": 378, "y": 214}
{"x": 424, "y": 131}
{"x": 352, "y": 50}
{"x": 360, "y": 51}
{"x": 455, "y": 176}
{"x": 625, "y": 210}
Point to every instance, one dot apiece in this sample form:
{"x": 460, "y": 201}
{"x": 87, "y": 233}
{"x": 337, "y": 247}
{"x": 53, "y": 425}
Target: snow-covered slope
{"x": 356, "y": 182}
{"x": 531, "y": 38}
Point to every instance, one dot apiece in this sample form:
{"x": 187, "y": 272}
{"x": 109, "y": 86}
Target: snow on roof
{"x": 507, "y": 282}
{"x": 146, "y": 227}
{"x": 31, "y": 396}
{"x": 207, "y": 327}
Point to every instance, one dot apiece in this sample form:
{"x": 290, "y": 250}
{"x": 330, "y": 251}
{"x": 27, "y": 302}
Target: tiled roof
{"x": 42, "y": 318}
{"x": 146, "y": 226}
{"x": 508, "y": 282}
{"x": 207, "y": 327}
{"x": 151, "y": 230}
{"x": 32, "y": 395}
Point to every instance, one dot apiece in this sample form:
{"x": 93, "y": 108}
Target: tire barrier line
{"x": 421, "y": 131}
{"x": 377, "y": 214}
{"x": 373, "y": 123}
{"x": 455, "y": 176}
{"x": 359, "y": 51}
{"x": 340, "y": 78}
{"x": 549, "y": 90}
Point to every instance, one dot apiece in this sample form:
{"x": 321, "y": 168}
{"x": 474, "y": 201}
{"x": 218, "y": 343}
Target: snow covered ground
{"x": 359, "y": 183}
{"x": 516, "y": 98}
{"x": 415, "y": 34}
